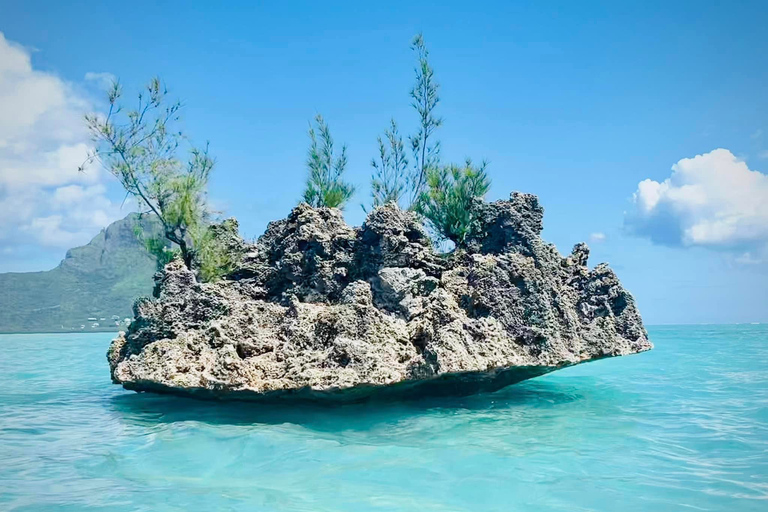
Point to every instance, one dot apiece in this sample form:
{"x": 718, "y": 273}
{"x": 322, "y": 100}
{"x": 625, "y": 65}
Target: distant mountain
{"x": 93, "y": 284}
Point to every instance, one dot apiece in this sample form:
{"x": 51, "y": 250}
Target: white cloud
{"x": 77, "y": 194}
{"x": 44, "y": 200}
{"x": 712, "y": 200}
{"x": 597, "y": 237}
{"x": 749, "y": 258}
{"x": 49, "y": 231}
{"x": 757, "y": 134}
{"x": 763, "y": 154}
{"x": 104, "y": 80}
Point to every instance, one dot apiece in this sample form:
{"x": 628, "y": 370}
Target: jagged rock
{"x": 508, "y": 226}
{"x": 391, "y": 237}
{"x": 307, "y": 255}
{"x": 317, "y": 309}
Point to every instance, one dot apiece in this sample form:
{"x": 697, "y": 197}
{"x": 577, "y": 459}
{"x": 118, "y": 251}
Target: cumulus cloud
{"x": 712, "y": 200}
{"x": 597, "y": 237}
{"x": 44, "y": 200}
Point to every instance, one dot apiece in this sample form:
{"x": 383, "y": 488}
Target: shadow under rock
{"x": 149, "y": 408}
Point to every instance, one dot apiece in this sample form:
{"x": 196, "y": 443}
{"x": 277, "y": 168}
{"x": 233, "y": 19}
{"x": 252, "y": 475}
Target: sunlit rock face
{"x": 317, "y": 309}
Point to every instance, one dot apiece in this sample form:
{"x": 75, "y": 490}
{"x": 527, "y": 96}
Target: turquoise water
{"x": 684, "y": 427}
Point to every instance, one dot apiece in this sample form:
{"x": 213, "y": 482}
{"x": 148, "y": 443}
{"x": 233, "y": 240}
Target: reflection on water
{"x": 148, "y": 408}
{"x": 682, "y": 427}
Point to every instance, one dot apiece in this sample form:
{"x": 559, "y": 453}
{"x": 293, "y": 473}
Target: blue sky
{"x": 576, "y": 102}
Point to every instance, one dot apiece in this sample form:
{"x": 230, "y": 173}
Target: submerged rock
{"x": 318, "y": 309}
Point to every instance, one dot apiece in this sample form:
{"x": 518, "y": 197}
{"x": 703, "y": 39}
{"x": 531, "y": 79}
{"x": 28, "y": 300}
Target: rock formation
{"x": 318, "y": 309}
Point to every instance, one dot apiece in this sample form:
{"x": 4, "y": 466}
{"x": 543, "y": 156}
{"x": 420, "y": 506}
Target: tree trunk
{"x": 187, "y": 254}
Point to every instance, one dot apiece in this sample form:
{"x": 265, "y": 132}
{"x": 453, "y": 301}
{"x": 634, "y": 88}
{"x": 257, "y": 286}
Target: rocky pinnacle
{"x": 316, "y": 309}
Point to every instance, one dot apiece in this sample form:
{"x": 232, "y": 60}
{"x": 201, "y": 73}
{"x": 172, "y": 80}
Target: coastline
{"x": 61, "y": 331}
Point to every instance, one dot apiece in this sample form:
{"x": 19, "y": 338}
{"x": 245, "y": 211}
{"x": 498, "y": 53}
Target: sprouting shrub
{"x": 215, "y": 253}
{"x": 158, "y": 246}
{"x": 426, "y": 150}
{"x": 325, "y": 186}
{"x": 388, "y": 182}
{"x": 447, "y": 202}
{"x": 214, "y": 256}
{"x": 392, "y": 181}
{"x": 163, "y": 253}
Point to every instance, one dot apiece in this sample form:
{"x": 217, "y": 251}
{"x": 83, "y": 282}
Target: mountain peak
{"x": 98, "y": 280}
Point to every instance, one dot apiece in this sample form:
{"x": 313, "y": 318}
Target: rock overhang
{"x": 316, "y": 308}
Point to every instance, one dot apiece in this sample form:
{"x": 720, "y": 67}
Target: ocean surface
{"x": 681, "y": 428}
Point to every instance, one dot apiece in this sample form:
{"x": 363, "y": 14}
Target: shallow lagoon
{"x": 682, "y": 427}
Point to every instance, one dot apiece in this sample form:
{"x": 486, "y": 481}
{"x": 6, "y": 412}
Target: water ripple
{"x": 684, "y": 427}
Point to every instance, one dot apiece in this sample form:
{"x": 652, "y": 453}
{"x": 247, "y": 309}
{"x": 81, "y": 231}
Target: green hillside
{"x": 96, "y": 281}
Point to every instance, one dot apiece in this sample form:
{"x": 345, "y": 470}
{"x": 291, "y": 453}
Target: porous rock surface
{"x": 318, "y": 309}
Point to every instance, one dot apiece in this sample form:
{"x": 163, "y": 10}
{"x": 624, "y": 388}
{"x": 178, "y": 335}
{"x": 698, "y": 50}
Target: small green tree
{"x": 426, "y": 152}
{"x": 141, "y": 147}
{"x": 447, "y": 202}
{"x": 389, "y": 174}
{"x": 216, "y": 250}
{"x": 325, "y": 186}
{"x": 157, "y": 246}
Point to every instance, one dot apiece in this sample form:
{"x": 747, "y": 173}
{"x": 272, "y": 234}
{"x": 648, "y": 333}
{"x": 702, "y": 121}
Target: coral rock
{"x": 317, "y": 309}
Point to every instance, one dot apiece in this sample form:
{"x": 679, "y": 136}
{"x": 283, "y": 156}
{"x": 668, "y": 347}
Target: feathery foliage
{"x": 324, "y": 184}
{"x": 388, "y": 182}
{"x": 214, "y": 258}
{"x": 447, "y": 202}
{"x": 157, "y": 245}
{"x": 426, "y": 152}
{"x": 141, "y": 147}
